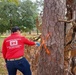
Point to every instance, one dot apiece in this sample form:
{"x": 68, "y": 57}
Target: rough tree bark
{"x": 52, "y": 64}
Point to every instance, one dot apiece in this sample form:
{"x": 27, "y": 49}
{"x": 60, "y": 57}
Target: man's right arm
{"x": 29, "y": 42}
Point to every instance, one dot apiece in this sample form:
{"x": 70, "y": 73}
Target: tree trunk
{"x": 52, "y": 64}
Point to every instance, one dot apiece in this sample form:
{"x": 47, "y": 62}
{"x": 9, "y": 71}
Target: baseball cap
{"x": 14, "y": 29}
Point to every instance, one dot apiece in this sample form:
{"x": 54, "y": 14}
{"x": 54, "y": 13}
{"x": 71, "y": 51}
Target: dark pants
{"x": 21, "y": 65}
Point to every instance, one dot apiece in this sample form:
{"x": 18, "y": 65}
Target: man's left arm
{"x": 4, "y": 50}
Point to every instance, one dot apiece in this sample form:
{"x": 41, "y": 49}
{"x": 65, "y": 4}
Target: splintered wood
{"x": 69, "y": 54}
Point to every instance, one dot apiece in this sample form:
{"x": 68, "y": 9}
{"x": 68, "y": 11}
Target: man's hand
{"x": 37, "y": 43}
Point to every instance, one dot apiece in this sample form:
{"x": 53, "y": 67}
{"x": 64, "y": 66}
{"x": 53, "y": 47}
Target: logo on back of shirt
{"x": 13, "y": 42}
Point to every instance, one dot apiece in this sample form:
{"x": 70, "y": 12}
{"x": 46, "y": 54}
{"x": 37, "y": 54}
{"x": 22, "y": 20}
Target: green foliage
{"x": 23, "y": 15}
{"x": 13, "y": 1}
{"x": 28, "y": 14}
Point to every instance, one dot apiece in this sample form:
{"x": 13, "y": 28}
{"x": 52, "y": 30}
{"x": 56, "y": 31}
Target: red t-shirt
{"x": 13, "y": 46}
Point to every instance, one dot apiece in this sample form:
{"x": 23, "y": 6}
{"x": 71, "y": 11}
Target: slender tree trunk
{"x": 52, "y": 64}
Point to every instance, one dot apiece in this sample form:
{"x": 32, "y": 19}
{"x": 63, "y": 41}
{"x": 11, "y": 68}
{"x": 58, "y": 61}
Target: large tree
{"x": 52, "y": 64}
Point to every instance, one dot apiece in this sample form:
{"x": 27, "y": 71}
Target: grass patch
{"x": 1, "y": 41}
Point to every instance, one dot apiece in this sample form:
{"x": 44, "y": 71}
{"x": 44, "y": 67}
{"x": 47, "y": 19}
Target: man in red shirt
{"x": 13, "y": 52}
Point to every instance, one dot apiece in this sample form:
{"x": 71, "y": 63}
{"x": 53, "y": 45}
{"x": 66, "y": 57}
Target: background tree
{"x": 14, "y": 1}
{"x": 28, "y": 14}
{"x": 52, "y": 64}
{"x": 23, "y": 15}
{"x": 8, "y": 14}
